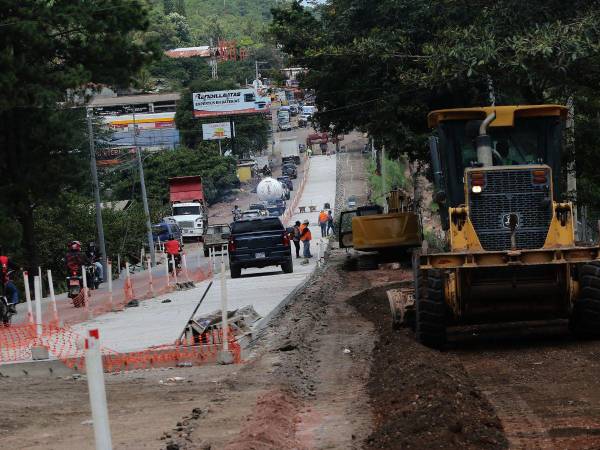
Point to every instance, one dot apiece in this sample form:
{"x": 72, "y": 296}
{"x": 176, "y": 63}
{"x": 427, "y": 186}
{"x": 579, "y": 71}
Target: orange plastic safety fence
{"x": 67, "y": 346}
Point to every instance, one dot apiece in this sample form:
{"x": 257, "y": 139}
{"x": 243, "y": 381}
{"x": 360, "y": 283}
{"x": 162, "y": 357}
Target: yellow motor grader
{"x": 511, "y": 253}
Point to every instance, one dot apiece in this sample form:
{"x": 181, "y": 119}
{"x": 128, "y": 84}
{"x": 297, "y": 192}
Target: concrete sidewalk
{"x": 155, "y": 323}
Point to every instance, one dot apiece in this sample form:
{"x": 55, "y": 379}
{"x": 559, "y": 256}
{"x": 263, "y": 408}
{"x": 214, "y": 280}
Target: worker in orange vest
{"x": 323, "y": 219}
{"x": 305, "y": 237}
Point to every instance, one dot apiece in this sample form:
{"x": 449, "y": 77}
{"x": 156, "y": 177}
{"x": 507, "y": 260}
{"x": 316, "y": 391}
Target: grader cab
{"x": 511, "y": 253}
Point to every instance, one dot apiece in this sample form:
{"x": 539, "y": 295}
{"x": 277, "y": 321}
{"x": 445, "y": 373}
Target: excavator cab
{"x": 510, "y": 247}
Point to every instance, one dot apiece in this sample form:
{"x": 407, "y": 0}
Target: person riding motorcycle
{"x": 94, "y": 256}
{"x": 7, "y": 287}
{"x": 75, "y": 258}
{"x": 173, "y": 248}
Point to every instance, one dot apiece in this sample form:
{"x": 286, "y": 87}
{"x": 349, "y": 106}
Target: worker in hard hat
{"x": 305, "y": 237}
{"x": 323, "y": 219}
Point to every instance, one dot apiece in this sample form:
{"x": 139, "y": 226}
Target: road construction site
{"x": 325, "y": 369}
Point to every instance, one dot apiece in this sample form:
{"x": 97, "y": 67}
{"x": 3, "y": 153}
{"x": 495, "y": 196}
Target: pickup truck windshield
{"x": 253, "y": 226}
{"x": 186, "y": 210}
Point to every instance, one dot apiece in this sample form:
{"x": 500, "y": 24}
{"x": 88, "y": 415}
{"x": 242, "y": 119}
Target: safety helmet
{"x": 75, "y": 245}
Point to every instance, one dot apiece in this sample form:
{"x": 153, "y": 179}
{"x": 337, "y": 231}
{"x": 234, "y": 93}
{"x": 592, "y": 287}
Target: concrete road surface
{"x": 154, "y": 323}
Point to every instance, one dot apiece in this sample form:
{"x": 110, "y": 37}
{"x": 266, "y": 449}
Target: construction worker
{"x": 329, "y": 222}
{"x": 173, "y": 249}
{"x": 323, "y": 219}
{"x": 296, "y": 237}
{"x": 305, "y": 237}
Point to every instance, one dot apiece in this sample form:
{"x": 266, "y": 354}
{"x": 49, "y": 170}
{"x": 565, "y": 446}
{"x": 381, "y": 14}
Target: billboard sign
{"x": 226, "y": 103}
{"x": 216, "y": 131}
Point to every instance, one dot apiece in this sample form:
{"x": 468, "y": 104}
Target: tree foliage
{"x": 381, "y": 66}
{"x": 48, "y": 52}
{"x": 218, "y": 175}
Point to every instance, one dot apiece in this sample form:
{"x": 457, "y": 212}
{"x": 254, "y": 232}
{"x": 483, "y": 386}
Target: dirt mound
{"x": 421, "y": 398}
{"x": 271, "y": 426}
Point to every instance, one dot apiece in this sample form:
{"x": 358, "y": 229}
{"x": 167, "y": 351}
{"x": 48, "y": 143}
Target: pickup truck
{"x": 259, "y": 242}
{"x": 216, "y": 237}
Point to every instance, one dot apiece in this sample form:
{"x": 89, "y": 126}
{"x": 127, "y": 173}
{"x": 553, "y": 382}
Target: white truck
{"x": 288, "y": 147}
{"x": 188, "y": 206}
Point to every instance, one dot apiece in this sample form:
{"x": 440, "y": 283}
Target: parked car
{"x": 284, "y": 126}
{"x": 289, "y": 170}
{"x": 351, "y": 202}
{"x": 259, "y": 207}
{"x": 279, "y": 204}
{"x": 259, "y": 242}
{"x": 286, "y": 181}
{"x": 274, "y": 210}
{"x": 162, "y": 230}
{"x": 216, "y": 236}
{"x": 251, "y": 214}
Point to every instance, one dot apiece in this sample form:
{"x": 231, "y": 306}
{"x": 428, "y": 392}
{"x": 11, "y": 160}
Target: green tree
{"x": 48, "y": 52}
{"x": 218, "y": 175}
{"x": 381, "y": 66}
{"x": 169, "y": 7}
{"x": 180, "y": 8}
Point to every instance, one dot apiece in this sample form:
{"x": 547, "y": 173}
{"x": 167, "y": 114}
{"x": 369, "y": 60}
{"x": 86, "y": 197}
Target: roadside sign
{"x": 225, "y": 103}
{"x": 216, "y": 131}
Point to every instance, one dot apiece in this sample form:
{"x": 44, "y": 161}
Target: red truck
{"x": 188, "y": 205}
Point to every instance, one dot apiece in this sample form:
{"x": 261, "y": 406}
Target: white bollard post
{"x": 174, "y": 269}
{"x": 97, "y": 391}
{"x": 224, "y": 356}
{"x": 52, "y": 297}
{"x": 86, "y": 297}
{"x": 110, "y": 288}
{"x": 166, "y": 257}
{"x": 150, "y": 282}
{"x": 28, "y": 298}
{"x": 318, "y": 252}
{"x": 214, "y": 259}
{"x": 37, "y": 289}
{"x": 41, "y": 281}
{"x": 185, "y": 269}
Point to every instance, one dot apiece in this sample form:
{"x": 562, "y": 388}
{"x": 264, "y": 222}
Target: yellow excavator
{"x": 372, "y": 228}
{"x": 511, "y": 253}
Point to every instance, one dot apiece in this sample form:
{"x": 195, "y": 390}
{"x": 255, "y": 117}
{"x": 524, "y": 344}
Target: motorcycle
{"x": 92, "y": 278}
{"x": 74, "y": 287}
{"x": 6, "y": 313}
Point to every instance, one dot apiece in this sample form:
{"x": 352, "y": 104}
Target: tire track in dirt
{"x": 545, "y": 388}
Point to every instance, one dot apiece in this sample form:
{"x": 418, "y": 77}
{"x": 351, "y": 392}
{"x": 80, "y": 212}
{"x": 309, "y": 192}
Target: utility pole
{"x": 383, "y": 184}
{"x": 94, "y": 169}
{"x": 144, "y": 196}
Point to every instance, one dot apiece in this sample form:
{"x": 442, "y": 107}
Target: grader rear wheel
{"x": 430, "y": 307}
{"x": 585, "y": 320}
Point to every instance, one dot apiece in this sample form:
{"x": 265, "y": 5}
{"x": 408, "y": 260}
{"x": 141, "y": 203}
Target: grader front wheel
{"x": 430, "y": 308}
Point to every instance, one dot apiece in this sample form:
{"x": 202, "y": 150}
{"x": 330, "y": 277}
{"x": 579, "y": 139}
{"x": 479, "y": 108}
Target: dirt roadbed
{"x": 329, "y": 372}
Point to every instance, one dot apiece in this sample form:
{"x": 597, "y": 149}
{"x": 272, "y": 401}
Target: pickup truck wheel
{"x": 287, "y": 267}
{"x": 236, "y": 271}
{"x": 206, "y": 252}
